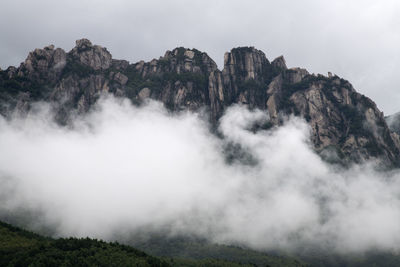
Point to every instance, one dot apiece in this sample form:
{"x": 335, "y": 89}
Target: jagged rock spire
{"x": 93, "y": 56}
{"x": 185, "y": 78}
{"x": 279, "y": 62}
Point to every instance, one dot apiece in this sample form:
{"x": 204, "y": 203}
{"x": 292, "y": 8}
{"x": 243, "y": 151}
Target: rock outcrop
{"x": 341, "y": 119}
{"x": 182, "y": 78}
{"x": 44, "y": 65}
{"x": 93, "y": 56}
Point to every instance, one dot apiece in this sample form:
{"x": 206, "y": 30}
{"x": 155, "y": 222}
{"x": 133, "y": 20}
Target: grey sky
{"x": 359, "y": 40}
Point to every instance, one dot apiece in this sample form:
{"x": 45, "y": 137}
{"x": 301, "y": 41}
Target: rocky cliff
{"x": 341, "y": 119}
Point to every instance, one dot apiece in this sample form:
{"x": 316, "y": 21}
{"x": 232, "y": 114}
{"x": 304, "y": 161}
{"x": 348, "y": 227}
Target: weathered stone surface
{"x": 189, "y": 54}
{"x": 11, "y": 72}
{"x": 120, "y": 78}
{"x": 144, "y": 93}
{"x": 94, "y": 56}
{"x": 296, "y": 75}
{"x": 44, "y": 65}
{"x": 339, "y": 117}
{"x": 79, "y": 94}
{"x": 279, "y": 62}
{"x": 274, "y": 95}
{"x": 119, "y": 64}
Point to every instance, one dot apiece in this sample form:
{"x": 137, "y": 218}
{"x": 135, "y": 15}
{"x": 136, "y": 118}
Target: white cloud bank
{"x": 123, "y": 168}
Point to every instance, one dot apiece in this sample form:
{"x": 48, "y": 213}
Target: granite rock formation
{"x": 342, "y": 120}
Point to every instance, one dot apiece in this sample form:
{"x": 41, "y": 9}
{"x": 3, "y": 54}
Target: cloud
{"x": 142, "y": 169}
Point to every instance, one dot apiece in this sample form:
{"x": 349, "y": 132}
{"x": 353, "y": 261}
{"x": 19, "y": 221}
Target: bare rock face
{"x": 245, "y": 63}
{"x": 69, "y": 91}
{"x": 296, "y": 75}
{"x": 182, "y": 78}
{"x": 85, "y": 77}
{"x": 93, "y": 56}
{"x": 120, "y": 78}
{"x": 119, "y": 64}
{"x": 275, "y": 98}
{"x": 44, "y": 65}
{"x": 279, "y": 63}
{"x": 246, "y": 74}
{"x": 341, "y": 120}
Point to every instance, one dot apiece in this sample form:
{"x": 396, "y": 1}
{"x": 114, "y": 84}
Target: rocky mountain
{"x": 342, "y": 120}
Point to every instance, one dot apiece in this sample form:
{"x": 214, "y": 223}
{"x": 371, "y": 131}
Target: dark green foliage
{"x": 202, "y": 251}
{"x": 8, "y": 229}
{"x": 136, "y": 82}
{"x": 287, "y": 92}
{"x": 354, "y": 124}
{"x": 235, "y": 153}
{"x": 353, "y": 115}
{"x": 198, "y": 57}
{"x": 23, "y": 248}
{"x": 252, "y": 85}
{"x": 368, "y": 259}
{"x": 157, "y": 82}
{"x": 288, "y": 89}
{"x": 181, "y": 54}
{"x": 164, "y": 62}
{"x": 256, "y": 92}
{"x": 183, "y": 262}
{"x": 10, "y": 88}
{"x": 188, "y": 250}
{"x": 75, "y": 67}
{"x": 354, "y": 118}
{"x": 180, "y": 58}
{"x": 270, "y": 72}
{"x": 38, "y": 91}
{"x": 84, "y": 48}
{"x": 366, "y": 102}
{"x": 199, "y": 80}
{"x": 40, "y": 57}
{"x": 242, "y": 49}
{"x": 373, "y": 148}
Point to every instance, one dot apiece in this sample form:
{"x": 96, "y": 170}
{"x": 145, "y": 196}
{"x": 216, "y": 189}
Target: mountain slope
{"x": 22, "y": 248}
{"x": 341, "y": 119}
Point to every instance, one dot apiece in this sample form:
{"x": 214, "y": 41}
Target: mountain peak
{"x": 83, "y": 43}
{"x": 93, "y": 56}
{"x": 189, "y": 79}
{"x": 279, "y": 62}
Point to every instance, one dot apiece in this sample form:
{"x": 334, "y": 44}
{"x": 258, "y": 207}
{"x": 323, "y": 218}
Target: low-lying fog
{"x": 124, "y": 168}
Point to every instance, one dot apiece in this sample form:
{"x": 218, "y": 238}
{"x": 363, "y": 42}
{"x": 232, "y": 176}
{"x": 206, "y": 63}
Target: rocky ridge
{"x": 341, "y": 119}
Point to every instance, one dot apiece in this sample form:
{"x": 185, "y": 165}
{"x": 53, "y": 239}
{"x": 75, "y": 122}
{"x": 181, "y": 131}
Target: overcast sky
{"x": 359, "y": 40}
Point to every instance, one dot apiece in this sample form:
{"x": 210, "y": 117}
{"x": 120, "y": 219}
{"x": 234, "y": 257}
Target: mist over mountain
{"x": 341, "y": 119}
{"x": 256, "y": 154}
